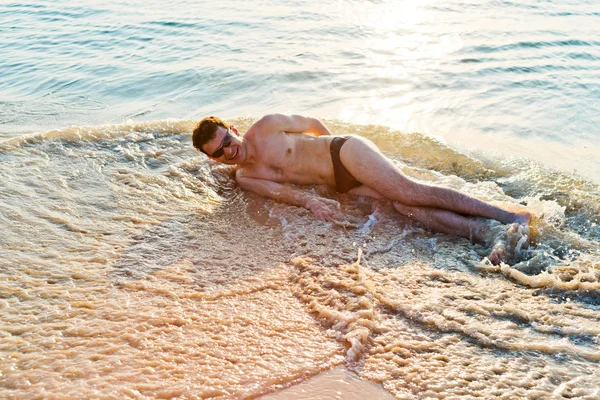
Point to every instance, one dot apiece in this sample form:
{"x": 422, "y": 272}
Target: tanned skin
{"x": 280, "y": 150}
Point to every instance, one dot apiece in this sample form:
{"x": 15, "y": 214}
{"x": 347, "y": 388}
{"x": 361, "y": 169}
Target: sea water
{"x": 132, "y": 266}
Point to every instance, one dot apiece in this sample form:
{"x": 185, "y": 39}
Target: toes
{"x": 498, "y": 254}
{"x": 508, "y": 245}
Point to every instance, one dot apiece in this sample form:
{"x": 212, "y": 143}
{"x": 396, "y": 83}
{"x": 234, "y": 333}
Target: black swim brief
{"x": 344, "y": 181}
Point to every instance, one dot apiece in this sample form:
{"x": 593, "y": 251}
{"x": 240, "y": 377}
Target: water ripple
{"x": 397, "y": 64}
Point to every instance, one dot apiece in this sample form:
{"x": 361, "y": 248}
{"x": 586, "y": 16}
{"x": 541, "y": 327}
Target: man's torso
{"x": 290, "y": 158}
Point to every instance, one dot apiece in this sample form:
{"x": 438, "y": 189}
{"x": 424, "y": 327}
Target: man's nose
{"x": 228, "y": 151}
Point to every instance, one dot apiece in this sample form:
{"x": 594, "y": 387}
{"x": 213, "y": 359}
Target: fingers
{"x": 324, "y": 209}
{"x": 323, "y": 215}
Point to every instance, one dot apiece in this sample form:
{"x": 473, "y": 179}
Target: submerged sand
{"x": 335, "y": 384}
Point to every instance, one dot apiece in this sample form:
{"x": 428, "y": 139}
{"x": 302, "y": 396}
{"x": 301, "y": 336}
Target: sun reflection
{"x": 390, "y": 15}
{"x": 401, "y": 39}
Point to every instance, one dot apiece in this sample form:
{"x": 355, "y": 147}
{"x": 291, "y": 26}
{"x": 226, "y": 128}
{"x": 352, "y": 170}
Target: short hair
{"x": 206, "y": 130}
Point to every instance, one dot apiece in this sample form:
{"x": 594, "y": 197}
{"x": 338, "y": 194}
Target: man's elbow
{"x": 319, "y": 128}
{"x": 241, "y": 181}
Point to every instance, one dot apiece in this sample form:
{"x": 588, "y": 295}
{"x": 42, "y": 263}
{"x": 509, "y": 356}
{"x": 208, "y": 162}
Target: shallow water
{"x": 518, "y": 78}
{"x": 132, "y": 266}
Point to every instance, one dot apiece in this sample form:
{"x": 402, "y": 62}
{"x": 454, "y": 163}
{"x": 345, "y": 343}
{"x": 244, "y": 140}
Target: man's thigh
{"x": 370, "y": 167}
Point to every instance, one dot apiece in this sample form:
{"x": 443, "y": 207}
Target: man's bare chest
{"x": 298, "y": 162}
{"x": 274, "y": 168}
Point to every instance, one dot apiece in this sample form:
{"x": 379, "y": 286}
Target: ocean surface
{"x": 133, "y": 267}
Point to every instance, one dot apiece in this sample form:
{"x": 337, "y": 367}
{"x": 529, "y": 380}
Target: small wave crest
{"x": 135, "y": 131}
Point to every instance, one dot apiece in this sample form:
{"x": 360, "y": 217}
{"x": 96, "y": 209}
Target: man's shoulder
{"x": 268, "y": 121}
{"x": 266, "y": 126}
{"x": 272, "y": 118}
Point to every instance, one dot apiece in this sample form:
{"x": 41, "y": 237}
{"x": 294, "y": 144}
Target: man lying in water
{"x": 279, "y": 150}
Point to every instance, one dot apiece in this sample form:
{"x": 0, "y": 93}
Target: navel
{"x": 289, "y": 151}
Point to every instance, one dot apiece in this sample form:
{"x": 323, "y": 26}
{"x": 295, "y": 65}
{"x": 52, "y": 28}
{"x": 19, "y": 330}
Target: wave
{"x": 136, "y": 131}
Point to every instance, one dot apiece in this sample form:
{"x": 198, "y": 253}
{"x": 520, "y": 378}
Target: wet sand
{"x": 336, "y": 384}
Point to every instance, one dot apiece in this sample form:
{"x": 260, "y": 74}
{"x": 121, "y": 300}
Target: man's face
{"x": 226, "y": 146}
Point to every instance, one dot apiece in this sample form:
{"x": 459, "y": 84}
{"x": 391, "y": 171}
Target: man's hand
{"x": 324, "y": 209}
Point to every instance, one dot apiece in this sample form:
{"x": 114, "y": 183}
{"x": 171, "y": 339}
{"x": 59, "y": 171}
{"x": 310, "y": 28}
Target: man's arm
{"x": 294, "y": 124}
{"x": 321, "y": 207}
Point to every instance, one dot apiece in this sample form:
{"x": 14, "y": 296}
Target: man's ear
{"x": 234, "y": 129}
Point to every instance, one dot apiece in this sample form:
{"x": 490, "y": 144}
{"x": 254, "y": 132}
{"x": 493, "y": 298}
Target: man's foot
{"x": 499, "y": 254}
{"x": 508, "y": 242}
